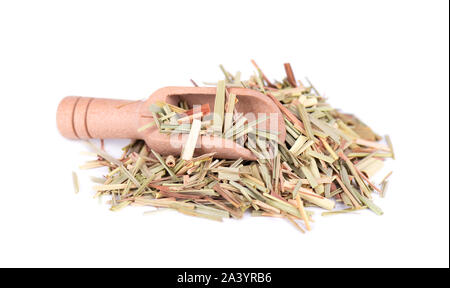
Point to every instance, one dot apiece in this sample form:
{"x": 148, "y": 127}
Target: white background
{"x": 386, "y": 61}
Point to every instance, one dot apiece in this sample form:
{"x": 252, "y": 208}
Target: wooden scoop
{"x": 87, "y": 118}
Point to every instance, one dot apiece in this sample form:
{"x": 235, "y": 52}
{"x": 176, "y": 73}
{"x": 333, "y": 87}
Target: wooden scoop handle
{"x": 85, "y": 118}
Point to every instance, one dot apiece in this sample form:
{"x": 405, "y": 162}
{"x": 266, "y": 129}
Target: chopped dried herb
{"x": 328, "y": 157}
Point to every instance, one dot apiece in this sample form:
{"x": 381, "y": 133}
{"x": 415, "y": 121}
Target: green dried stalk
{"x": 189, "y": 147}
{"x": 312, "y": 180}
{"x": 391, "y": 147}
{"x": 327, "y": 129}
{"x": 355, "y": 174}
{"x": 163, "y": 163}
{"x": 229, "y": 173}
{"x": 316, "y": 174}
{"x": 384, "y": 186}
{"x": 327, "y": 187}
{"x": 347, "y": 188}
{"x": 344, "y": 211}
{"x": 219, "y": 105}
{"x": 305, "y": 119}
{"x": 365, "y": 154}
{"x": 120, "y": 206}
{"x": 305, "y": 147}
{"x": 295, "y": 149}
{"x": 76, "y": 185}
{"x": 320, "y": 156}
{"x": 229, "y": 112}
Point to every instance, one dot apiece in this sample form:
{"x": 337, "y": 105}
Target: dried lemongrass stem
{"x": 229, "y": 112}
{"x": 352, "y": 168}
{"x": 305, "y": 119}
{"x": 301, "y": 208}
{"x": 188, "y": 149}
{"x": 289, "y": 218}
{"x": 76, "y": 185}
{"x": 170, "y": 161}
{"x": 349, "y": 194}
{"x": 219, "y": 105}
{"x": 386, "y": 177}
{"x": 391, "y": 147}
{"x": 344, "y": 211}
{"x": 290, "y": 74}
{"x": 372, "y": 144}
{"x": 266, "y": 207}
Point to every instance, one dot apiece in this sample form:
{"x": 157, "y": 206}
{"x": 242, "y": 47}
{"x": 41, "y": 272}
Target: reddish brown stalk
{"x": 289, "y": 218}
{"x": 203, "y": 109}
{"x": 225, "y": 194}
{"x": 302, "y": 211}
{"x": 297, "y": 123}
{"x": 190, "y": 118}
{"x": 343, "y": 143}
{"x": 193, "y": 83}
{"x": 364, "y": 150}
{"x": 262, "y": 74}
{"x": 185, "y": 179}
{"x": 333, "y": 187}
{"x": 290, "y": 74}
{"x": 336, "y": 146}
{"x": 319, "y": 147}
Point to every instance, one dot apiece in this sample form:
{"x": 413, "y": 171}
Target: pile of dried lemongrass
{"x": 327, "y": 158}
